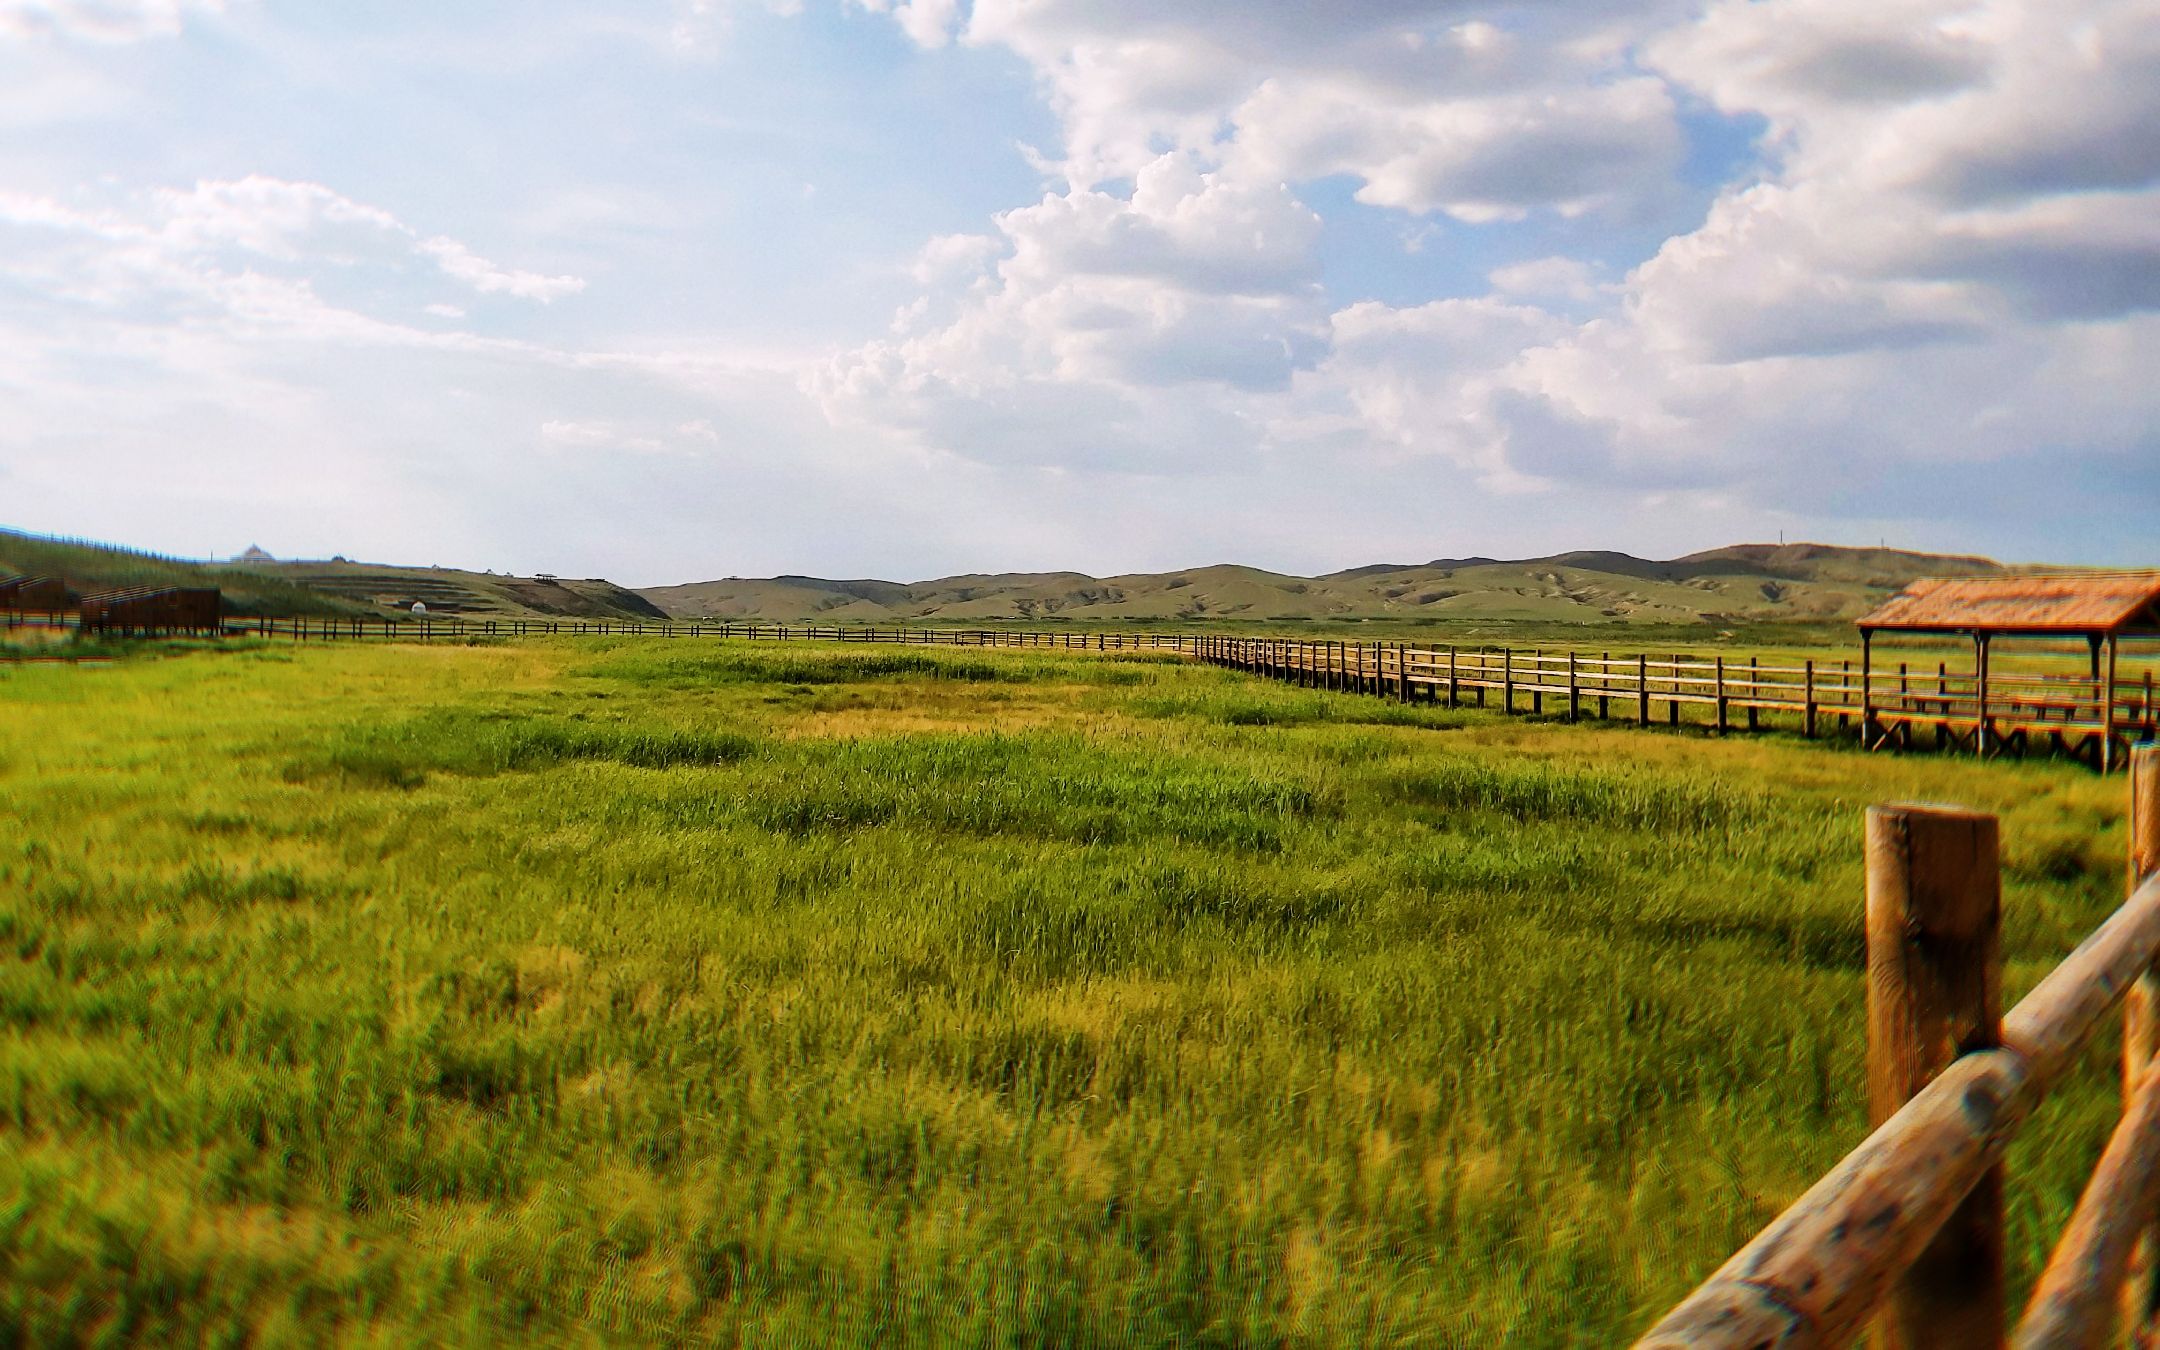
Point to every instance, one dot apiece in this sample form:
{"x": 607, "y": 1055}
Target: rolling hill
{"x": 378, "y": 588}
{"x": 87, "y": 568}
{"x": 261, "y": 585}
{"x": 1747, "y": 583}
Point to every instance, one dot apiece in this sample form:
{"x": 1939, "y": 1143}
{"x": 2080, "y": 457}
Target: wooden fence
{"x": 20, "y": 596}
{"x": 1907, "y": 1231}
{"x": 154, "y": 610}
{"x": 2007, "y": 712}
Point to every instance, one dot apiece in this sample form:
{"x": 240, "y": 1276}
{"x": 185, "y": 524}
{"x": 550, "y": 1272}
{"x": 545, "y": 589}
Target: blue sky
{"x": 673, "y": 289}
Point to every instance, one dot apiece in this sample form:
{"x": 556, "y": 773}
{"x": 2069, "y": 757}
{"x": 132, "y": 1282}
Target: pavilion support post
{"x": 1867, "y": 688}
{"x": 2107, "y": 709}
{"x": 1982, "y": 741}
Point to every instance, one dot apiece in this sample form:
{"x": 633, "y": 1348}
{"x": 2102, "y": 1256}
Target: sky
{"x": 670, "y": 290}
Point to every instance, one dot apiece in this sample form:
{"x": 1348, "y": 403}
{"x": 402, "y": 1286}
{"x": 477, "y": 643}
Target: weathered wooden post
{"x": 1934, "y": 992}
{"x": 1507, "y": 680}
{"x": 1453, "y": 687}
{"x": 1672, "y": 705}
{"x": 1574, "y": 694}
{"x": 1807, "y": 700}
{"x": 1604, "y": 698}
{"x": 2141, "y": 1027}
{"x": 1867, "y": 687}
{"x": 1642, "y": 690}
{"x": 2107, "y": 710}
{"x": 1754, "y": 693}
{"x": 1721, "y": 694}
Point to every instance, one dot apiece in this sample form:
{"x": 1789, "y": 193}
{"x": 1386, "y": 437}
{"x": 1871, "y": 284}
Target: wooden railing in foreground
{"x": 1908, "y": 1229}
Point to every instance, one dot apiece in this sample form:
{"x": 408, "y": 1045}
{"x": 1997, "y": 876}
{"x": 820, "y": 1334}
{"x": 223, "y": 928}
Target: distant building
{"x": 255, "y": 554}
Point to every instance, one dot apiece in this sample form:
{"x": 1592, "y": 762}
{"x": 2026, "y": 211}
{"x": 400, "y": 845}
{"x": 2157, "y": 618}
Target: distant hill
{"x": 263, "y": 585}
{"x": 86, "y": 568}
{"x": 1747, "y": 583}
{"x": 379, "y": 588}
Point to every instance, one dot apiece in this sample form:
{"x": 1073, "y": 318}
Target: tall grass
{"x": 596, "y": 992}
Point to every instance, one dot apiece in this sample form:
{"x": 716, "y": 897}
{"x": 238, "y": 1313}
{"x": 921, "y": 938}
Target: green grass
{"x": 629, "y": 992}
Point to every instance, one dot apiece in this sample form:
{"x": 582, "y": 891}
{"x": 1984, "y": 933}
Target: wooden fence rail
{"x": 1908, "y": 1229}
{"x": 2006, "y": 713}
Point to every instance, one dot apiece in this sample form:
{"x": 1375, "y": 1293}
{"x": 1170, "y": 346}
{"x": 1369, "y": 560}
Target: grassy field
{"x": 621, "y": 992}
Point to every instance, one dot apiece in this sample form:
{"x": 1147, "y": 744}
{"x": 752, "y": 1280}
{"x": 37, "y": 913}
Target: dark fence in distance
{"x": 33, "y": 595}
{"x": 154, "y": 611}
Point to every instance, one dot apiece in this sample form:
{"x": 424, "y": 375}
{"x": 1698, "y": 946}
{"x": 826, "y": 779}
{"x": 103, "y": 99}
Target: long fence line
{"x": 1907, "y": 1231}
{"x": 1983, "y": 711}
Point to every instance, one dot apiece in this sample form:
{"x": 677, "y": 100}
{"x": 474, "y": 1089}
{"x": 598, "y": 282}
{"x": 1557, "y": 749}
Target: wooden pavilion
{"x": 2085, "y": 713}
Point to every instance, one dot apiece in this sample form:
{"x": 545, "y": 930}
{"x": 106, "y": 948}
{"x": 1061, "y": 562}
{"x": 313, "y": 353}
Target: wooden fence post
{"x": 1721, "y": 695}
{"x": 1507, "y": 680}
{"x": 1934, "y": 919}
{"x": 1642, "y": 690}
{"x": 1574, "y": 693}
{"x": 2141, "y": 1019}
{"x": 1754, "y": 693}
{"x": 1807, "y": 716}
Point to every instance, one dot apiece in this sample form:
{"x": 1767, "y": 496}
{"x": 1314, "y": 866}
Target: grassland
{"x": 619, "y": 992}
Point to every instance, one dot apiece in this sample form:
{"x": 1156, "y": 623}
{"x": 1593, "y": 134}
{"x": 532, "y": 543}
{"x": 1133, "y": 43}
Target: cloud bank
{"x": 1393, "y": 278}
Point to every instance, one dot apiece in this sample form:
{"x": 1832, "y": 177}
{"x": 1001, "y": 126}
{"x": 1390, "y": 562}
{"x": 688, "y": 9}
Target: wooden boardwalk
{"x": 1908, "y": 707}
{"x": 2005, "y": 712}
